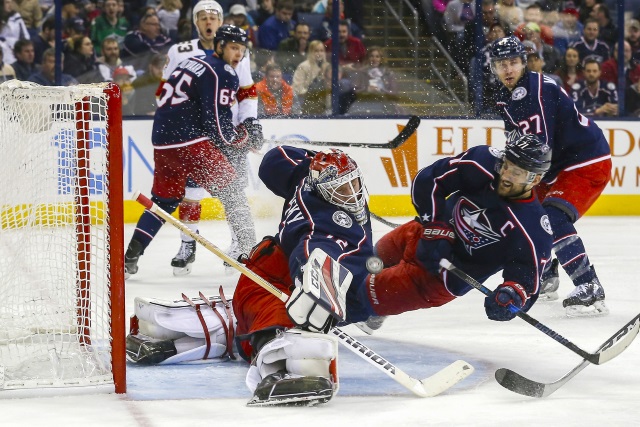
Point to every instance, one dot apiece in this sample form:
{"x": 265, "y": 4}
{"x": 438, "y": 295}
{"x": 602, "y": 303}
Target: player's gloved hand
{"x": 435, "y": 243}
{"x": 248, "y": 134}
{"x": 503, "y": 303}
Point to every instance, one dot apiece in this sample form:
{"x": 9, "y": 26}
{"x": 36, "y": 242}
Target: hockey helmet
{"x": 209, "y": 6}
{"x": 230, "y": 34}
{"x": 337, "y": 179}
{"x": 529, "y": 153}
{"x": 507, "y": 47}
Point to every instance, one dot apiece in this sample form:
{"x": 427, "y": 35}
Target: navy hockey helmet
{"x": 507, "y": 47}
{"x": 529, "y": 153}
{"x": 230, "y": 34}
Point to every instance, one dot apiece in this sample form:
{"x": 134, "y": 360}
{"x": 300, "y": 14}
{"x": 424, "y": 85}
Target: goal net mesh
{"x": 54, "y": 237}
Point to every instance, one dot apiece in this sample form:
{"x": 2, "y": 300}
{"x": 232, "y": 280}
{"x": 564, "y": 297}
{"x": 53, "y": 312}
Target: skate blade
{"x": 548, "y": 296}
{"x": 598, "y": 308}
{"x": 182, "y": 271}
{"x": 290, "y": 401}
{"x": 364, "y": 328}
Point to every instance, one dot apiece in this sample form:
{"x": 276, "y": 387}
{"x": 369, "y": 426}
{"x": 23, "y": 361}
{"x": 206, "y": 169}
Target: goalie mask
{"x": 337, "y": 179}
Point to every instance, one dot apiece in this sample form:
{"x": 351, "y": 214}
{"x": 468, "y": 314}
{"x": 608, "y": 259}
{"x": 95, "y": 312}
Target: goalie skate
{"x": 186, "y": 255}
{"x": 283, "y": 389}
{"x": 147, "y": 351}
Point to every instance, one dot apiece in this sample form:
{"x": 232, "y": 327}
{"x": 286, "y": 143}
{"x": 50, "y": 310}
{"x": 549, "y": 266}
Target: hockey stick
{"x": 428, "y": 387}
{"x": 598, "y": 358}
{"x": 384, "y": 221}
{"x": 408, "y": 130}
{"x": 518, "y": 384}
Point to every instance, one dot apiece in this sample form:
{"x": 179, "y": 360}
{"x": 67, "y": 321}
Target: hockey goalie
{"x": 293, "y": 366}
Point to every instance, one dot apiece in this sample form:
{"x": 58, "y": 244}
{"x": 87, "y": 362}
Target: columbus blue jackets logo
{"x": 472, "y": 225}
{"x": 546, "y": 224}
{"x": 342, "y": 219}
{"x": 518, "y": 93}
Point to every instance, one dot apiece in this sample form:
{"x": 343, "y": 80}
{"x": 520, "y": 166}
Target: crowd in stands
{"x": 563, "y": 39}
{"x": 291, "y": 44}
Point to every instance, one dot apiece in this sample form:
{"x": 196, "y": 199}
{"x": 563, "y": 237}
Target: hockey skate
{"x": 372, "y": 324}
{"x": 283, "y": 389}
{"x": 181, "y": 263}
{"x": 147, "y": 351}
{"x": 586, "y": 299}
{"x": 131, "y": 258}
{"x": 550, "y": 282}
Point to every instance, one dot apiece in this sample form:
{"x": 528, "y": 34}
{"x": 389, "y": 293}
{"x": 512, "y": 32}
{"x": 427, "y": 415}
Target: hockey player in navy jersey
{"x": 595, "y": 97}
{"x": 207, "y": 18}
{"x": 192, "y": 127}
{"x": 530, "y": 103}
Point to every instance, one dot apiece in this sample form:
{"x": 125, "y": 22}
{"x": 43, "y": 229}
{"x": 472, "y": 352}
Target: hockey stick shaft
{"x": 416, "y": 386}
{"x": 595, "y": 358}
{"x": 408, "y": 130}
{"x": 384, "y": 221}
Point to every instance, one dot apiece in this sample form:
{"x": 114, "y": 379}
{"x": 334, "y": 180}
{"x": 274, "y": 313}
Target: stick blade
{"x": 516, "y": 383}
{"x": 620, "y": 341}
{"x": 444, "y": 379}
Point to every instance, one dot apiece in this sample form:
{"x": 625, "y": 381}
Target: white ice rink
{"x": 419, "y": 342}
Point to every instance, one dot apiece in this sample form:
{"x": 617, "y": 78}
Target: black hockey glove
{"x": 435, "y": 243}
{"x": 503, "y": 303}
{"x": 249, "y": 134}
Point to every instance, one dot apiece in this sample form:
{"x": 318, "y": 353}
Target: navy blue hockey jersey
{"x": 597, "y": 50}
{"x": 587, "y": 102}
{"x": 492, "y": 233}
{"x": 539, "y": 106}
{"x": 195, "y": 103}
{"x": 309, "y": 222}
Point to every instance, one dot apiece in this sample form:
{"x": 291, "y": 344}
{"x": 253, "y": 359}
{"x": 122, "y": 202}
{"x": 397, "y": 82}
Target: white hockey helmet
{"x": 208, "y": 6}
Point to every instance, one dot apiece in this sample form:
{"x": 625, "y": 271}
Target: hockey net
{"x": 61, "y": 243}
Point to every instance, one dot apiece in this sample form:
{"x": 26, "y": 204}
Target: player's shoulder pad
{"x": 611, "y": 86}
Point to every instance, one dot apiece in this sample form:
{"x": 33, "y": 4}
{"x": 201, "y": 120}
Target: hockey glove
{"x": 435, "y": 243}
{"x": 248, "y": 134}
{"x": 318, "y": 302}
{"x": 503, "y": 303}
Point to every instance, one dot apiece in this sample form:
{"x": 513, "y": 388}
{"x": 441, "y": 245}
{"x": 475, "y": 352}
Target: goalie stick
{"x": 518, "y": 384}
{"x": 627, "y": 334}
{"x": 428, "y": 387}
{"x": 408, "y": 130}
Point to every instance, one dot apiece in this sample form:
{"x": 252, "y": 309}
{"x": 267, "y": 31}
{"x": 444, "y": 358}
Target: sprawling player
{"x": 192, "y": 128}
{"x": 580, "y": 168}
{"x": 207, "y": 18}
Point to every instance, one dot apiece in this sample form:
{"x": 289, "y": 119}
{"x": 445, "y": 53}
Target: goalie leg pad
{"x": 298, "y": 353}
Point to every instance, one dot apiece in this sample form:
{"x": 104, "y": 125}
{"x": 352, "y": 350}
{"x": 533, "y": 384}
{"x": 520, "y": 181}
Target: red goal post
{"x": 62, "y": 309}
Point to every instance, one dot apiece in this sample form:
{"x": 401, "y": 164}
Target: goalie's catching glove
{"x": 318, "y": 302}
{"x": 503, "y": 303}
{"x": 248, "y": 134}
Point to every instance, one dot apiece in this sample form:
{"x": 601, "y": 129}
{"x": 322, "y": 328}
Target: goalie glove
{"x": 318, "y": 302}
{"x": 248, "y": 134}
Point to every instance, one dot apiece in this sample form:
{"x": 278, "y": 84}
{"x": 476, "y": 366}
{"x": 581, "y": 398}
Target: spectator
{"x": 292, "y": 51}
{"x": 610, "y": 67}
{"x": 490, "y": 83}
{"x": 375, "y": 77}
{"x": 46, "y": 75}
{"x": 45, "y": 39}
{"x": 73, "y": 27}
{"x": 608, "y": 31}
{"x": 90, "y": 11}
{"x": 352, "y": 50}
{"x": 570, "y": 70}
{"x": 586, "y": 7}
{"x": 535, "y": 62}
{"x": 13, "y": 27}
{"x": 632, "y": 35}
{"x": 632, "y": 100}
{"x": 80, "y": 60}
{"x": 145, "y": 86}
{"x": 533, "y": 13}
{"x": 278, "y": 27}
{"x": 511, "y": 16}
{"x": 6, "y": 71}
{"x": 239, "y": 18}
{"x": 275, "y": 96}
{"x": 169, "y": 15}
{"x": 550, "y": 55}
{"x": 456, "y": 15}
{"x": 25, "y": 55}
{"x": 467, "y": 51}
{"x": 110, "y": 59}
{"x": 123, "y": 78}
{"x": 594, "y": 97}
{"x": 139, "y": 45}
{"x": 266, "y": 9}
{"x": 324, "y": 31}
{"x": 109, "y": 24}
{"x": 567, "y": 30}
{"x": 436, "y": 10}
{"x": 589, "y": 46}
{"x": 310, "y": 74}
{"x": 31, "y": 13}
